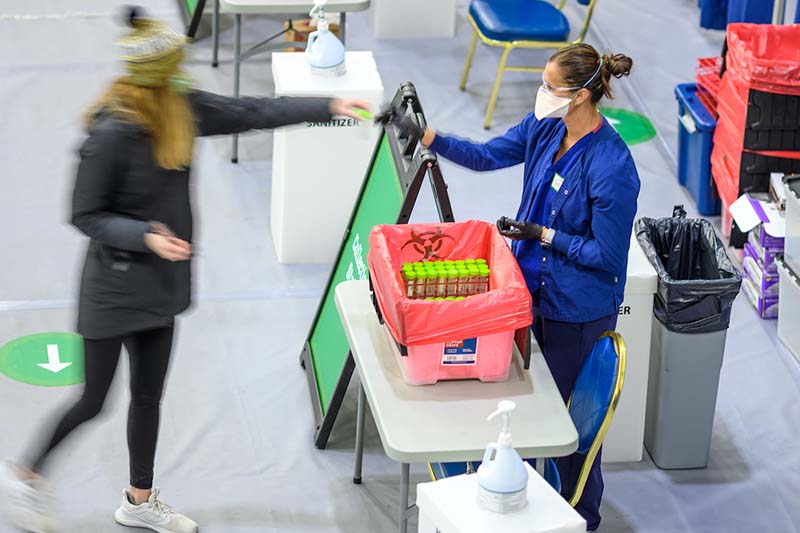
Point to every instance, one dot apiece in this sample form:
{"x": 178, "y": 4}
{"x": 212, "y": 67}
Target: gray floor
{"x": 236, "y": 451}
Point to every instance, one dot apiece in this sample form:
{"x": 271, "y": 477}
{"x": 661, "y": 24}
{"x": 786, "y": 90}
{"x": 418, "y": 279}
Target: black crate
{"x": 755, "y": 170}
{"x": 773, "y": 121}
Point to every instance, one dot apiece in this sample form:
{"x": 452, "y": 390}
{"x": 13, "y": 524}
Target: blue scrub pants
{"x": 565, "y": 346}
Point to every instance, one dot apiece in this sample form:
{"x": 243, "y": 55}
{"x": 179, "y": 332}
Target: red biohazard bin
{"x": 758, "y": 96}
{"x": 758, "y": 107}
{"x": 765, "y": 57}
{"x": 443, "y": 340}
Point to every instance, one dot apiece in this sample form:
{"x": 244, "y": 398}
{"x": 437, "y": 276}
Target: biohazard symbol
{"x": 430, "y": 244}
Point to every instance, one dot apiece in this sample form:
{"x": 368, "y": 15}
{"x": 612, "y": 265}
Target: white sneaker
{"x": 153, "y": 514}
{"x": 24, "y": 501}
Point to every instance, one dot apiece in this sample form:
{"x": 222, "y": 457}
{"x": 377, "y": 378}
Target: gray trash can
{"x": 697, "y": 284}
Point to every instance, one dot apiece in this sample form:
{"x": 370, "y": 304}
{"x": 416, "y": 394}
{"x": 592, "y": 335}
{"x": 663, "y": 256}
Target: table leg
{"x": 237, "y": 50}
{"x": 215, "y": 34}
{"x": 342, "y": 25}
{"x": 778, "y": 11}
{"x": 540, "y": 462}
{"x": 404, "y": 489}
{"x": 362, "y": 400}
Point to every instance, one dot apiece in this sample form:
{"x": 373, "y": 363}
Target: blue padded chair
{"x": 591, "y": 407}
{"x": 511, "y": 24}
{"x": 594, "y": 400}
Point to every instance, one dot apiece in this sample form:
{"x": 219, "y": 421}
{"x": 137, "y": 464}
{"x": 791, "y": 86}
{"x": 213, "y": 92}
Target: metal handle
{"x": 778, "y": 11}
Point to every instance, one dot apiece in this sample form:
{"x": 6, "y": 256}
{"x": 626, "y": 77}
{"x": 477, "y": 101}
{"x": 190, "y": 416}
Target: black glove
{"x": 519, "y": 230}
{"x": 388, "y": 113}
{"x": 407, "y": 126}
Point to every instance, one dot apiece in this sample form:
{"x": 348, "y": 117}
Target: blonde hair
{"x": 162, "y": 111}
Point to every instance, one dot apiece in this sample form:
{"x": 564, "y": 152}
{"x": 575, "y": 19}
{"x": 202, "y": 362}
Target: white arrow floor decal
{"x": 53, "y": 363}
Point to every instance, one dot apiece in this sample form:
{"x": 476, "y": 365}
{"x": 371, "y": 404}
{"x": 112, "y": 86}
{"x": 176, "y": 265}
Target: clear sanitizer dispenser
{"x": 325, "y": 52}
{"x": 502, "y": 476}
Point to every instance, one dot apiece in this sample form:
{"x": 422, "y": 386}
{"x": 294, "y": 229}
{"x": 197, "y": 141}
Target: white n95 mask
{"x": 549, "y": 105}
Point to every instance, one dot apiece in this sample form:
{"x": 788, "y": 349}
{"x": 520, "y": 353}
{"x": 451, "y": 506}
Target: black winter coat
{"x": 119, "y": 190}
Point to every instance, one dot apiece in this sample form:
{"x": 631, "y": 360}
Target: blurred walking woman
{"x": 131, "y": 198}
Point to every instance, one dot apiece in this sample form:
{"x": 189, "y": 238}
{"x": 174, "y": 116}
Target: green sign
{"x": 632, "y": 127}
{"x": 380, "y": 203}
{"x": 44, "y": 359}
{"x": 191, "y": 5}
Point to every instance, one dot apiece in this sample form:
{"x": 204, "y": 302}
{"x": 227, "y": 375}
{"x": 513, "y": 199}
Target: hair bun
{"x": 130, "y": 14}
{"x": 618, "y": 65}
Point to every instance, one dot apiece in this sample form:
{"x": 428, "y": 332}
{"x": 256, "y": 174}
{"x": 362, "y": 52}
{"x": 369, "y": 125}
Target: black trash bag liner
{"x": 697, "y": 282}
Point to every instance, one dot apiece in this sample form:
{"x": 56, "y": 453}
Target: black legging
{"x": 149, "y": 353}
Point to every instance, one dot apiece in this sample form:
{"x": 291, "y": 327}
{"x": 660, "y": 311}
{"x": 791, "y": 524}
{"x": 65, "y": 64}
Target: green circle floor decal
{"x": 632, "y": 127}
{"x": 44, "y": 359}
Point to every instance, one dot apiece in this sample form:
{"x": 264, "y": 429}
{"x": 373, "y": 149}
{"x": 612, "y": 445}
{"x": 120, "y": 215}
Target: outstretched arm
{"x": 223, "y": 115}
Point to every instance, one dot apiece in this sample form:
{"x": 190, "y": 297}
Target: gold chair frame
{"x": 619, "y": 347}
{"x": 507, "y": 47}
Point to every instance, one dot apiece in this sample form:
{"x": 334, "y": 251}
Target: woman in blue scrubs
{"x": 573, "y": 227}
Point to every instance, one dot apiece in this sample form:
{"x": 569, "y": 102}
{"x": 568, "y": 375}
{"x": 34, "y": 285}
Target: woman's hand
{"x": 408, "y": 126}
{"x": 168, "y": 247}
{"x": 519, "y": 231}
{"x": 427, "y": 139}
{"x": 347, "y": 107}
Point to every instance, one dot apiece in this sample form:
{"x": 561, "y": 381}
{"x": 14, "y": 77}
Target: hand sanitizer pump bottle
{"x": 325, "y": 52}
{"x": 502, "y": 480}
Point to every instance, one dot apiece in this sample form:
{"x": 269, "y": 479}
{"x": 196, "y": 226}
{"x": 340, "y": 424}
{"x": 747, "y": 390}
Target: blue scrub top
{"x": 540, "y": 204}
{"x": 581, "y": 277}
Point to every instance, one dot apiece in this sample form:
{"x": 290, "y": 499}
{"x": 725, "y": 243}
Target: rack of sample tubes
{"x": 445, "y": 280}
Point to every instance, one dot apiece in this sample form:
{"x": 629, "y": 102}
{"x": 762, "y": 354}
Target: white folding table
{"x": 447, "y": 421}
{"x": 269, "y": 7}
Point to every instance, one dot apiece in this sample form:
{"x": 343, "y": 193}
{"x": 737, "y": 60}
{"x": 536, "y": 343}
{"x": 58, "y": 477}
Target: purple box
{"x": 766, "y": 256}
{"x": 765, "y": 240}
{"x": 765, "y": 283}
{"x": 765, "y": 307}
